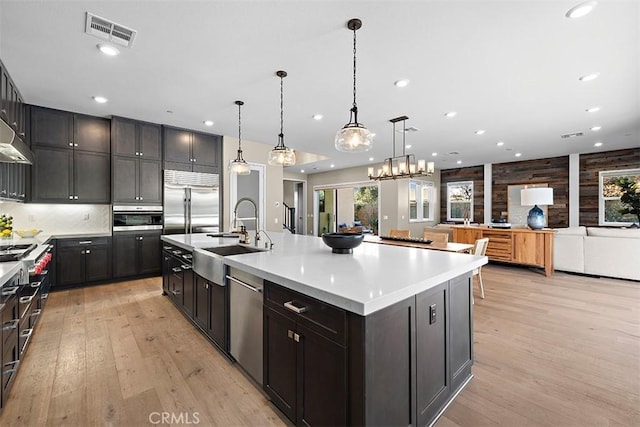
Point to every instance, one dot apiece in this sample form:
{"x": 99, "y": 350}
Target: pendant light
{"x": 281, "y": 155}
{"x": 354, "y": 137}
{"x": 239, "y": 166}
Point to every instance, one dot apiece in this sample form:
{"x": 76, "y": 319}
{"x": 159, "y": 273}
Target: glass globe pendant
{"x": 281, "y": 155}
{"x": 239, "y": 166}
{"x": 354, "y": 137}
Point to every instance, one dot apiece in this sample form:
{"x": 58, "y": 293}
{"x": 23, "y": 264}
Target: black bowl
{"x": 342, "y": 243}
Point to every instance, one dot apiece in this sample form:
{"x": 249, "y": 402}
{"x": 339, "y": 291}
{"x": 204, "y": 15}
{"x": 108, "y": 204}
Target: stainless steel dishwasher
{"x": 245, "y": 321}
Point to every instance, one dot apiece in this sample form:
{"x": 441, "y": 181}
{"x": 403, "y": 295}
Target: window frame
{"x": 420, "y": 186}
{"x": 602, "y": 199}
{"x": 451, "y": 185}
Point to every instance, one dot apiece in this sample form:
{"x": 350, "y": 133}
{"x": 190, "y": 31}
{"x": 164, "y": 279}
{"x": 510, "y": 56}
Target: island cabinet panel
{"x": 305, "y": 359}
{"x": 433, "y": 383}
{"x": 210, "y": 310}
{"x": 460, "y": 323}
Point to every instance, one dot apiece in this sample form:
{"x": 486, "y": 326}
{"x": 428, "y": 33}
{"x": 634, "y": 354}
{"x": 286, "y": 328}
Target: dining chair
{"x": 398, "y": 233}
{"x": 435, "y": 237}
{"x": 480, "y": 249}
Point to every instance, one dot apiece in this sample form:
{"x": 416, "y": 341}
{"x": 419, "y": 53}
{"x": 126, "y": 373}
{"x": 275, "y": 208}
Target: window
{"x": 612, "y": 211}
{"x": 421, "y": 201}
{"x": 460, "y": 201}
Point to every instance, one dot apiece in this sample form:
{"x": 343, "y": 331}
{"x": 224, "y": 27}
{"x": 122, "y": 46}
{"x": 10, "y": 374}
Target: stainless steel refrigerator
{"x": 191, "y": 202}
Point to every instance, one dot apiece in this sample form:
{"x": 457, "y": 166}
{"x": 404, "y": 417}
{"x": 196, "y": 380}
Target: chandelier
{"x": 404, "y": 166}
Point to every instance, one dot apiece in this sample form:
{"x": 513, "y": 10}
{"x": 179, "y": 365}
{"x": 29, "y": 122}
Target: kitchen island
{"x": 382, "y": 336}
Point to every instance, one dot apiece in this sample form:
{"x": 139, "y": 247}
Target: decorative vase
{"x": 535, "y": 219}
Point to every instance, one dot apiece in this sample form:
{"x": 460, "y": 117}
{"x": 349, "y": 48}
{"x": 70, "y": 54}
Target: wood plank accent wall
{"x": 590, "y": 165}
{"x": 473, "y": 173}
{"x": 553, "y": 171}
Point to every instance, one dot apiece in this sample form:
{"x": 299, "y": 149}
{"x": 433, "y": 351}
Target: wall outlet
{"x": 86, "y": 217}
{"x": 276, "y": 220}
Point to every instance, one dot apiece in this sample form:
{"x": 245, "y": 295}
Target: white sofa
{"x": 607, "y": 252}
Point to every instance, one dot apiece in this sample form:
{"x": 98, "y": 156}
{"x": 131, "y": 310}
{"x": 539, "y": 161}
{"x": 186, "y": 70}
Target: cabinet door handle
{"x": 3, "y": 111}
{"x": 70, "y": 197}
{"x": 14, "y": 124}
{"x": 71, "y": 144}
{"x": 185, "y": 267}
{"x": 22, "y": 134}
{"x": 290, "y": 306}
{"x": 75, "y": 145}
{"x": 176, "y": 269}
{"x": 289, "y": 334}
{"x": 75, "y": 197}
{"x": 296, "y": 337}
{"x": 26, "y": 300}
{"x": 13, "y": 324}
{"x": 206, "y": 285}
{"x": 140, "y": 154}
{"x": 84, "y": 242}
{"x": 87, "y": 251}
{"x": 137, "y": 154}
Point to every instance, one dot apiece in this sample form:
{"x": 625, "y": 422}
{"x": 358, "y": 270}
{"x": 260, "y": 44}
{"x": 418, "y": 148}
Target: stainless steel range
{"x": 13, "y": 252}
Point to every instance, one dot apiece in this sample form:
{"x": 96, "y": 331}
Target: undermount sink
{"x": 232, "y": 250}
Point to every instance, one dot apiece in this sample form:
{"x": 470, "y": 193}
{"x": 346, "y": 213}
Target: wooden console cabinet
{"x": 514, "y": 245}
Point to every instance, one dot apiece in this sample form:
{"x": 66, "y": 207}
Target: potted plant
{"x": 630, "y": 197}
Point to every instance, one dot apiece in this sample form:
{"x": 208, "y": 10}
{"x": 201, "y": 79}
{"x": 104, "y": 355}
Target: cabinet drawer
{"x": 94, "y": 241}
{"x": 323, "y": 318}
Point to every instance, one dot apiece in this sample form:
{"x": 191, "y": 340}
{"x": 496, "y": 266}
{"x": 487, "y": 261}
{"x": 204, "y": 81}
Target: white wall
{"x": 254, "y": 152}
{"x": 345, "y": 206}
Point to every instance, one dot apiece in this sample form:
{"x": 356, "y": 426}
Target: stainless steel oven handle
{"x": 246, "y": 285}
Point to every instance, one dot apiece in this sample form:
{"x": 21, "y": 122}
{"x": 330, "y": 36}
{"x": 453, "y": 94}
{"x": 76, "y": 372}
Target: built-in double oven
{"x": 137, "y": 218}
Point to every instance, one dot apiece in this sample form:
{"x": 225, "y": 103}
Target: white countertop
{"x": 372, "y": 278}
{"x": 7, "y": 270}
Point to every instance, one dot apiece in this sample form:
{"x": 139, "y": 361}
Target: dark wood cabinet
{"x": 210, "y": 310}
{"x": 191, "y": 151}
{"x": 137, "y": 169}
{"x": 305, "y": 359}
{"x": 12, "y": 181}
{"x": 12, "y": 108}
{"x": 72, "y": 162}
{"x": 82, "y": 261}
{"x": 179, "y": 277}
{"x": 136, "y": 253}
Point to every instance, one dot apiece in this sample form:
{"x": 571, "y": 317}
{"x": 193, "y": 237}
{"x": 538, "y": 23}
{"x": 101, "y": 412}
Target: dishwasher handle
{"x": 246, "y": 285}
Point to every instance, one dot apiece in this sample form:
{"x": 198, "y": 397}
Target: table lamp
{"x": 534, "y": 197}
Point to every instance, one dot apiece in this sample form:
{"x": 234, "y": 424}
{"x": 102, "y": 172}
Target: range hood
{"x": 12, "y": 148}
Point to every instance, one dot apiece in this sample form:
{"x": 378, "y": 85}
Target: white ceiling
{"x": 508, "y": 67}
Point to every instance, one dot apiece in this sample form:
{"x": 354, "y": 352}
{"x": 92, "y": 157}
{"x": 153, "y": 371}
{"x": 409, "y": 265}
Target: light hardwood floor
{"x": 558, "y": 351}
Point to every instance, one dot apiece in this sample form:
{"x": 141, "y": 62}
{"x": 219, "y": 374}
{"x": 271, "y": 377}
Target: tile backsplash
{"x": 59, "y": 219}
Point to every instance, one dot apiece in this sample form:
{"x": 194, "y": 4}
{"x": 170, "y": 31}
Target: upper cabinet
{"x": 12, "y": 108}
{"x": 191, "y": 151}
{"x": 136, "y": 165}
{"x": 62, "y": 129}
{"x": 72, "y": 157}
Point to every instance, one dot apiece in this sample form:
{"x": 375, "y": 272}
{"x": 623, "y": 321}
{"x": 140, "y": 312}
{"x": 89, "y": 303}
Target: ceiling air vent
{"x": 571, "y": 135}
{"x": 109, "y": 30}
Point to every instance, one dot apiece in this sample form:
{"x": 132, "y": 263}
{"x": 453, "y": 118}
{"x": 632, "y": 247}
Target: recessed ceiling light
{"x": 500, "y": 143}
{"x": 301, "y": 170}
{"x": 402, "y": 83}
{"x": 450, "y": 114}
{"x": 598, "y": 144}
{"x": 480, "y": 131}
{"x": 208, "y": 122}
{"x": 518, "y": 154}
{"x": 596, "y": 128}
{"x": 408, "y": 146}
{"x": 371, "y": 159}
{"x": 581, "y": 10}
{"x": 588, "y": 77}
{"x": 459, "y": 162}
{"x": 434, "y": 154}
{"x": 592, "y": 109}
{"x": 100, "y": 99}
{"x": 317, "y": 116}
{"x": 332, "y": 165}
{"x": 108, "y": 50}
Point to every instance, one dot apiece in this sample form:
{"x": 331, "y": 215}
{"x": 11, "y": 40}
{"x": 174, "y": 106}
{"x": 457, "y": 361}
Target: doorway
{"x": 294, "y": 205}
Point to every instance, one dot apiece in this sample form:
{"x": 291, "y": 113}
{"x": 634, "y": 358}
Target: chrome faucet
{"x": 255, "y": 210}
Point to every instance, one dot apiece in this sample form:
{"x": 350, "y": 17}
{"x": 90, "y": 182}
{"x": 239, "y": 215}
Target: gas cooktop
{"x": 13, "y": 252}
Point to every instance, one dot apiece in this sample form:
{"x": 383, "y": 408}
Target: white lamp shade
{"x": 536, "y": 196}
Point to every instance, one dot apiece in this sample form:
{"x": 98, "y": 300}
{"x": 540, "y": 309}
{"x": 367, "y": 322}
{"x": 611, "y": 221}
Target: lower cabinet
{"x": 210, "y": 310}
{"x": 178, "y": 278}
{"x": 136, "y": 253}
{"x": 305, "y": 357}
{"x": 401, "y": 365}
{"x": 80, "y": 261}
